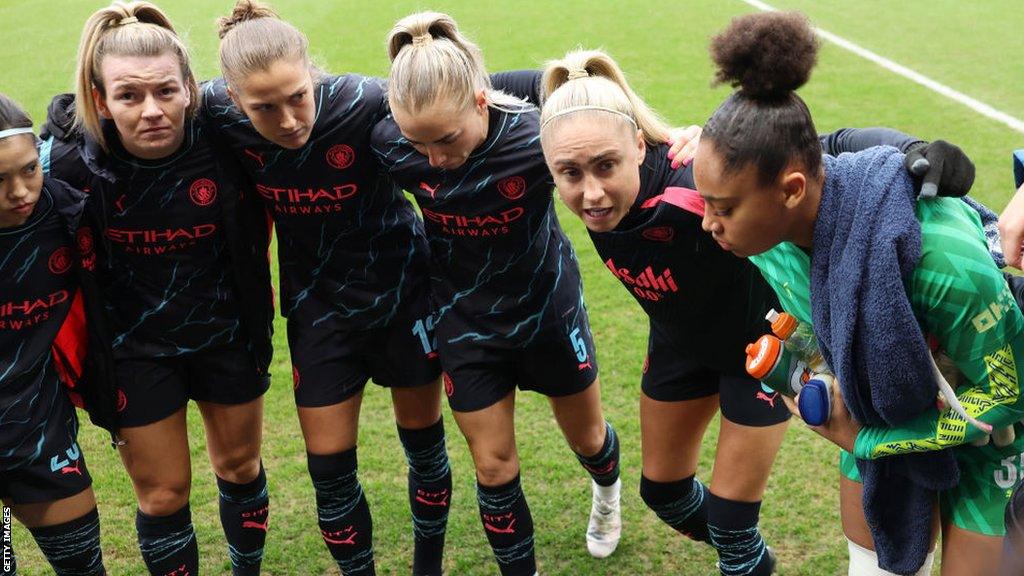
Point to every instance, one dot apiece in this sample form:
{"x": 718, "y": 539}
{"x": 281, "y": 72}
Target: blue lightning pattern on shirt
{"x": 350, "y": 245}
{"x": 502, "y": 270}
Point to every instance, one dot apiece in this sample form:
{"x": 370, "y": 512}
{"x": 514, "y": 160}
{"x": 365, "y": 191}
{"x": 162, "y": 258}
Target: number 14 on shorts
{"x": 424, "y": 330}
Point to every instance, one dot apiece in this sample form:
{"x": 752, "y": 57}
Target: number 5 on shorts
{"x": 579, "y": 345}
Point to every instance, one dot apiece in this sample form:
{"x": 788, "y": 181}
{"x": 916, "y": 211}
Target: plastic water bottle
{"x": 799, "y": 339}
{"x": 815, "y": 400}
{"x": 773, "y": 364}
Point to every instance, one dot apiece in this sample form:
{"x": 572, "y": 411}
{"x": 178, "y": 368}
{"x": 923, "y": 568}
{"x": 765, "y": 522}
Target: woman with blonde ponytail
{"x": 601, "y": 85}
{"x": 603, "y": 145}
{"x": 187, "y": 293}
{"x": 505, "y": 281}
{"x": 106, "y": 33}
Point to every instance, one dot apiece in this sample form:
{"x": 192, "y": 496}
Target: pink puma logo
{"x": 493, "y": 523}
{"x": 72, "y": 469}
{"x": 604, "y": 470}
{"x": 432, "y": 498}
{"x": 423, "y": 186}
{"x": 252, "y": 524}
{"x": 179, "y": 571}
{"x": 255, "y": 156}
{"x": 769, "y": 399}
{"x": 584, "y": 366}
{"x": 335, "y": 537}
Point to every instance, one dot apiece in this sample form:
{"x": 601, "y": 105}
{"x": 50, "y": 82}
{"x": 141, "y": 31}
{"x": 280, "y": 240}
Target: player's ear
{"x": 480, "y": 100}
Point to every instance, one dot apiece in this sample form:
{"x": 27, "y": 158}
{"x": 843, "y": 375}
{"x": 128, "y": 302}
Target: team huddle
{"x": 135, "y": 227}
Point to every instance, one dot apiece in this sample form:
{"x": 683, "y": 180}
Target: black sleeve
{"x": 97, "y": 384}
{"x": 247, "y": 229}
{"x": 524, "y": 84}
{"x": 857, "y": 139}
{"x": 63, "y": 160}
{"x": 59, "y": 144}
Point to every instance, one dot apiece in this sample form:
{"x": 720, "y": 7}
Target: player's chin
{"x": 741, "y": 251}
{"x": 453, "y": 164}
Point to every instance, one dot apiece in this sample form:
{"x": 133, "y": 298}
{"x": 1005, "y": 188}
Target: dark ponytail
{"x": 767, "y": 56}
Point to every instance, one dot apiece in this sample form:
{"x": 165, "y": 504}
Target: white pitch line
{"x": 976, "y": 105}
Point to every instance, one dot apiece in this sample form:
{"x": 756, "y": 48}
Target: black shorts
{"x": 559, "y": 361}
{"x": 331, "y": 362}
{"x": 151, "y": 389}
{"x": 669, "y": 375}
{"x": 58, "y": 471}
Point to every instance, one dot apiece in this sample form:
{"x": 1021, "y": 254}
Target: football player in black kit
{"x": 505, "y": 283}
{"x": 603, "y": 146}
{"x": 43, "y": 476}
{"x": 353, "y": 272}
{"x": 184, "y": 278}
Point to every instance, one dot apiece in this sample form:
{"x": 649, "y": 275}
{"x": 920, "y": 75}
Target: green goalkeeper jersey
{"x": 961, "y": 299}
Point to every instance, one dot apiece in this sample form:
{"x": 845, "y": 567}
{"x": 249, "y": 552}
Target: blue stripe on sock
{"x": 739, "y": 551}
{"x": 344, "y": 494}
{"x": 159, "y": 549}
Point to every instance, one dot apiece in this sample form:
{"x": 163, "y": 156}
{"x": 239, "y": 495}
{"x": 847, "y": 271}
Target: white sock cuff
{"x": 864, "y": 562}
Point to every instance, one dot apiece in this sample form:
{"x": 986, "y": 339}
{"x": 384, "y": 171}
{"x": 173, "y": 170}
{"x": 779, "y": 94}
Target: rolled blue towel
{"x": 867, "y": 243}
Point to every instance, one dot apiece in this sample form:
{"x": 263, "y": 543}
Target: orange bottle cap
{"x": 762, "y": 355}
{"x": 784, "y": 325}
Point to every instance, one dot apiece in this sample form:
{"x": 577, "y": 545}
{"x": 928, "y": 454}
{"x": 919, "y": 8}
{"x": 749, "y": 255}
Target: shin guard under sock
{"x": 343, "y": 512}
{"x": 430, "y": 490}
{"x": 73, "y": 548}
{"x": 734, "y": 533}
{"x": 604, "y": 466}
{"x": 509, "y": 527}
{"x": 681, "y": 504}
{"x": 168, "y": 543}
{"x": 244, "y": 511}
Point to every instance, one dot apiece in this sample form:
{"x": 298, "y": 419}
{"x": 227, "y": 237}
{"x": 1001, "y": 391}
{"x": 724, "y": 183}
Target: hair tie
{"x": 15, "y": 132}
{"x": 422, "y": 39}
{"x": 127, "y": 20}
{"x": 578, "y": 73}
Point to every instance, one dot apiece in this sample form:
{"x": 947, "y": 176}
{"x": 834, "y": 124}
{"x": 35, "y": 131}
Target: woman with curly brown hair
{"x": 851, "y": 252}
